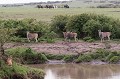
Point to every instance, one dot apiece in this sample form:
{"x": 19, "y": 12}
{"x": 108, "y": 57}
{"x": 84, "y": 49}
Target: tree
{"x": 58, "y": 24}
{"x": 5, "y": 35}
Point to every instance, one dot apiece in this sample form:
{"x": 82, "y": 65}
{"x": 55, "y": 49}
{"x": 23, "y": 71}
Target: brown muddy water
{"x": 80, "y": 71}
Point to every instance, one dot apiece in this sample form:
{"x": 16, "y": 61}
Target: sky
{"x": 25, "y": 1}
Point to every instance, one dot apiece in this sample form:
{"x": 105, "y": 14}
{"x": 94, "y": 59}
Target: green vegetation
{"x": 18, "y": 71}
{"x": 88, "y": 39}
{"x": 47, "y": 14}
{"x": 26, "y": 56}
{"x": 87, "y": 25}
{"x": 103, "y": 55}
{"x": 100, "y": 54}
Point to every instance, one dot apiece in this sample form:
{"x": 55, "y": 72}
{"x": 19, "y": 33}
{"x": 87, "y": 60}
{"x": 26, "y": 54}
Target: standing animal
{"x": 68, "y": 35}
{"x": 66, "y": 6}
{"x": 32, "y": 36}
{"x": 103, "y": 35}
{"x": 9, "y": 61}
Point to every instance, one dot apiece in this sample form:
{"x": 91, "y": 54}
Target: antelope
{"x": 102, "y": 35}
{"x": 70, "y": 35}
{"x": 9, "y": 61}
{"x": 32, "y": 36}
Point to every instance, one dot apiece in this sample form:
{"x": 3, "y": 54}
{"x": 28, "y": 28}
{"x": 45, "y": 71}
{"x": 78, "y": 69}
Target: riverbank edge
{"x": 19, "y": 71}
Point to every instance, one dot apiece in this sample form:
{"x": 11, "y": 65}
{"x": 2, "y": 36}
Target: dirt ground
{"x": 66, "y": 47}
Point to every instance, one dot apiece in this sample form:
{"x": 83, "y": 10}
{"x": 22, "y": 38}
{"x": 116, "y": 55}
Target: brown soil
{"x": 66, "y": 47}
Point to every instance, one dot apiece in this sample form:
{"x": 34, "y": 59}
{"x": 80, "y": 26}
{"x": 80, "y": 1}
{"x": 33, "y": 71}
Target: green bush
{"x": 24, "y": 25}
{"x": 91, "y": 27}
{"x": 42, "y": 58}
{"x": 58, "y": 24}
{"x": 76, "y": 23}
{"x": 114, "y": 59}
{"x": 84, "y": 58}
{"x": 88, "y": 39}
{"x": 69, "y": 58}
{"x": 89, "y": 24}
{"x": 19, "y": 71}
{"x": 18, "y": 39}
{"x": 27, "y": 55}
{"x": 112, "y": 54}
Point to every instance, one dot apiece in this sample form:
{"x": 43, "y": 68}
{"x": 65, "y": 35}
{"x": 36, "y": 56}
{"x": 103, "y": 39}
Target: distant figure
{"x": 66, "y": 6}
{"x": 103, "y": 35}
{"x": 32, "y": 36}
{"x": 68, "y": 35}
{"x": 9, "y": 61}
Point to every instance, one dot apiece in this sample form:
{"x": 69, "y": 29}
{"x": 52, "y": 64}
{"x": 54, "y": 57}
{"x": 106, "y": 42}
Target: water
{"x": 80, "y": 71}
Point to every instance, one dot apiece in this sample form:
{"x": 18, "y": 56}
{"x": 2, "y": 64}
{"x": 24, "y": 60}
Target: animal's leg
{"x": 69, "y": 40}
{"x": 109, "y": 38}
{"x": 75, "y": 38}
{"x": 101, "y": 40}
{"x": 65, "y": 38}
{"x": 36, "y": 40}
{"x": 28, "y": 40}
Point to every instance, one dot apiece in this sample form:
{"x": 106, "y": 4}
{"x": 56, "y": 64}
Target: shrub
{"x": 100, "y": 54}
{"x": 76, "y": 23}
{"x": 88, "y": 39}
{"x": 42, "y": 58}
{"x": 49, "y": 37}
{"x": 27, "y": 55}
{"x": 84, "y": 58}
{"x": 114, "y": 59}
{"x": 58, "y": 24}
{"x": 18, "y": 71}
{"x": 69, "y": 58}
{"x": 89, "y": 24}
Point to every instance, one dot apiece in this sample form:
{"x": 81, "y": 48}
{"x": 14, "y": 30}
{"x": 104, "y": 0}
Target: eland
{"x": 31, "y": 36}
{"x": 68, "y": 35}
{"x": 103, "y": 35}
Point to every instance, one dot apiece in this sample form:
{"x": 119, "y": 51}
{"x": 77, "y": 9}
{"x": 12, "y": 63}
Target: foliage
{"x": 49, "y": 37}
{"x": 69, "y": 58}
{"x": 24, "y": 25}
{"x": 88, "y": 39}
{"x": 115, "y": 59}
{"x": 86, "y": 25}
{"x": 19, "y": 70}
{"x": 83, "y": 58}
{"x": 89, "y": 24}
{"x": 100, "y": 54}
{"x": 76, "y": 23}
{"x": 5, "y": 36}
{"x": 91, "y": 28}
{"x": 26, "y": 55}
{"x": 58, "y": 24}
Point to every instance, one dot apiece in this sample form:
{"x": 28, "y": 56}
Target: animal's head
{"x": 99, "y": 30}
{"x": 27, "y": 32}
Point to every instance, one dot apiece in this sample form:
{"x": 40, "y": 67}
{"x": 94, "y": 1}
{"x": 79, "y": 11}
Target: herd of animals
{"x": 52, "y": 6}
{"x": 68, "y": 35}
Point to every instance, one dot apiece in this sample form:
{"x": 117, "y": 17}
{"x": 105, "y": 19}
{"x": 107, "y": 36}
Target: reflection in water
{"x": 80, "y": 71}
{"x": 49, "y": 75}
